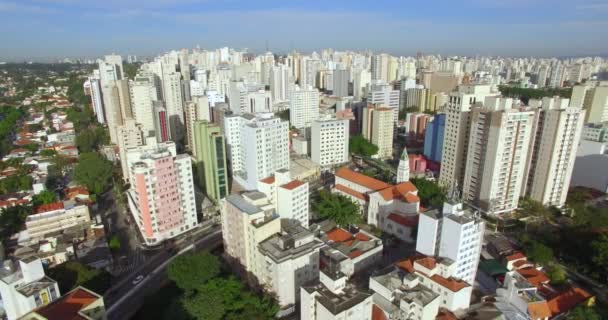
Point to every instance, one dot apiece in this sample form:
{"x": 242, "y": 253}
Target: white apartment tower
{"x": 499, "y": 143}
{"x": 280, "y": 82}
{"x": 454, "y": 233}
{"x": 303, "y": 107}
{"x": 557, "y": 137}
{"x": 172, "y": 93}
{"x": 143, "y": 95}
{"x": 455, "y": 145}
{"x": 329, "y": 142}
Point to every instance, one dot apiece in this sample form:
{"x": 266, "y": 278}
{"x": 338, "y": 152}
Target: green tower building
{"x": 210, "y": 156}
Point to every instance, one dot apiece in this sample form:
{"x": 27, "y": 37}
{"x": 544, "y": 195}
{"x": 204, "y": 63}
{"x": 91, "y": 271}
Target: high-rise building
{"x": 161, "y": 122}
{"x": 377, "y": 127}
{"x": 210, "y": 155}
{"x": 379, "y": 67}
{"x": 499, "y": 145}
{"x": 143, "y": 95}
{"x": 116, "y": 61}
{"x": 341, "y": 79}
{"x": 129, "y": 135}
{"x": 382, "y": 94}
{"x": 557, "y": 137}
{"x": 361, "y": 79}
{"x": 433, "y": 137}
{"x": 303, "y": 107}
{"x": 96, "y": 99}
{"x": 453, "y": 233}
{"x": 329, "y": 142}
{"x": 280, "y": 83}
{"x": 173, "y": 98}
{"x": 594, "y": 99}
{"x": 258, "y": 145}
{"x": 161, "y": 197}
{"x": 113, "y": 116}
{"x": 290, "y": 197}
{"x": 456, "y": 137}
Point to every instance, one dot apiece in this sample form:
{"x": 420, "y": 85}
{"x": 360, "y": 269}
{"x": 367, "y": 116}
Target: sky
{"x": 49, "y": 29}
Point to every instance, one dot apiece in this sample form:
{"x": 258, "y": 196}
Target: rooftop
{"x": 361, "y": 179}
{"x": 293, "y": 241}
{"x": 69, "y": 306}
{"x": 338, "y": 302}
{"x": 452, "y": 284}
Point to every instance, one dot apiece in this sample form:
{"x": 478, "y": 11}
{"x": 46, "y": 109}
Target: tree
{"x": 583, "y": 313}
{"x": 205, "y": 305}
{"x": 538, "y": 252}
{"x": 12, "y": 219}
{"x": 91, "y": 138}
{"x": 44, "y": 197}
{"x": 533, "y": 208}
{"x": 430, "y": 193}
{"x": 72, "y": 274}
{"x": 48, "y": 153}
{"x": 15, "y": 183}
{"x": 190, "y": 271}
{"x": 93, "y": 171}
{"x": 600, "y": 252}
{"x": 114, "y": 243}
{"x": 359, "y": 145}
{"x": 556, "y": 273}
{"x": 338, "y": 208}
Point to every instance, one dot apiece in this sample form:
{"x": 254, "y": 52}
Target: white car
{"x": 138, "y": 279}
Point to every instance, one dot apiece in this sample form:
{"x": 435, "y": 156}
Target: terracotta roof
{"x": 516, "y": 256}
{"x": 351, "y": 192}
{"x": 49, "y": 207}
{"x": 361, "y": 237}
{"x": 520, "y": 263}
{"x": 361, "y": 179}
{"x": 404, "y": 221}
{"x": 404, "y": 191}
{"x": 355, "y": 254}
{"x": 445, "y": 315}
{"x": 18, "y": 150}
{"x": 339, "y": 235}
{"x": 568, "y": 300}
{"x": 68, "y": 306}
{"x": 452, "y": 284}
{"x": 539, "y": 310}
{"x": 427, "y": 262}
{"x": 534, "y": 276}
{"x": 377, "y": 313}
{"x": 292, "y": 185}
{"x": 268, "y": 180}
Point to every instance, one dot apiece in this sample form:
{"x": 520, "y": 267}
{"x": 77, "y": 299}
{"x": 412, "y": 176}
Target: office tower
{"x": 341, "y": 79}
{"x": 24, "y": 287}
{"x": 116, "y": 61}
{"x": 403, "y": 169}
{"x": 594, "y": 99}
{"x": 499, "y": 143}
{"x": 97, "y": 100}
{"x": 197, "y": 109}
{"x": 453, "y": 233}
{"x": 361, "y": 79}
{"x": 334, "y": 298}
{"x": 143, "y": 95}
{"x": 172, "y": 94}
{"x": 291, "y": 260}
{"x": 303, "y": 107}
{"x": 161, "y": 122}
{"x": 280, "y": 83}
{"x": 210, "y": 155}
{"x": 258, "y": 145}
{"x": 433, "y": 137}
{"x": 456, "y": 137}
{"x": 161, "y": 197}
{"x": 382, "y": 94}
{"x": 379, "y": 67}
{"x": 247, "y": 219}
{"x": 329, "y": 142}
{"x": 557, "y": 137}
{"x": 377, "y": 127}
{"x": 129, "y": 135}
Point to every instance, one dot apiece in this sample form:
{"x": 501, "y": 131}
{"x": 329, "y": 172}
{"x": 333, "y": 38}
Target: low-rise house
{"x": 353, "y": 251}
{"x": 56, "y": 217}
{"x": 25, "y": 287}
{"x": 77, "y": 304}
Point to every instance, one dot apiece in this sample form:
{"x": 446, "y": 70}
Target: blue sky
{"x": 47, "y": 29}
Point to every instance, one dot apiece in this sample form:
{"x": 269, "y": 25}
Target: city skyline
{"x": 44, "y": 30}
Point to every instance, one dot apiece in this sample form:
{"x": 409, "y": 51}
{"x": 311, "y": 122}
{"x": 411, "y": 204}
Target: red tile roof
{"x": 404, "y": 221}
{"x": 403, "y": 191}
{"x": 361, "y": 237}
{"x": 339, "y": 235}
{"x": 534, "y": 276}
{"x": 361, "y": 179}
{"x": 292, "y": 185}
{"x": 268, "y": 180}
{"x": 68, "y": 306}
{"x": 539, "y": 310}
{"x": 49, "y": 207}
{"x": 351, "y": 192}
{"x": 516, "y": 256}
{"x": 445, "y": 315}
{"x": 355, "y": 254}
{"x": 451, "y": 284}
{"x": 427, "y": 262}
{"x": 377, "y": 313}
{"x": 568, "y": 300}
{"x": 521, "y": 263}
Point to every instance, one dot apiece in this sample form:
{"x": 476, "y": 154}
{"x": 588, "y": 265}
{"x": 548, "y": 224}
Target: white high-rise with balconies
{"x": 329, "y": 142}
{"x": 143, "y": 95}
{"x": 303, "y": 107}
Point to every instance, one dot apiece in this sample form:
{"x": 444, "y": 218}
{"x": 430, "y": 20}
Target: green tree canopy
{"x": 430, "y": 193}
{"x": 48, "y": 152}
{"x": 338, "y": 208}
{"x": 90, "y": 139}
{"x": 600, "y": 252}
{"x": 72, "y": 274}
{"x": 93, "y": 171}
{"x": 583, "y": 313}
{"x": 359, "y": 145}
{"x": 114, "y": 243}
{"x": 12, "y": 220}
{"x": 538, "y": 252}
{"x": 207, "y": 267}
{"x": 15, "y": 183}
{"x": 44, "y": 197}
{"x": 556, "y": 273}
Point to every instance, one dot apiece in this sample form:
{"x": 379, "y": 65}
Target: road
{"x": 124, "y": 299}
